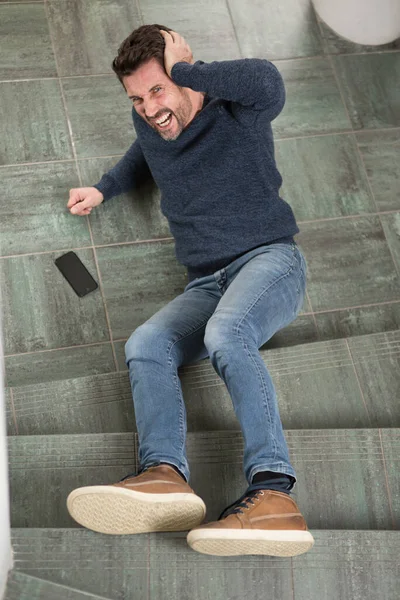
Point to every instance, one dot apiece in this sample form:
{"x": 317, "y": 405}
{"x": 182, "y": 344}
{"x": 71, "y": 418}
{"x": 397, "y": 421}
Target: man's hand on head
{"x": 176, "y": 50}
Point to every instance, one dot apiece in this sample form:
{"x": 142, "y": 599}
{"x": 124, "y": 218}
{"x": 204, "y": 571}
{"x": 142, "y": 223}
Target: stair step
{"x": 347, "y": 478}
{"x": 333, "y": 384}
{"x": 342, "y": 564}
{"x": 25, "y": 587}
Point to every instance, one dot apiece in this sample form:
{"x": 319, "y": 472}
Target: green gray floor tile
{"x": 97, "y": 30}
{"x": 349, "y": 561}
{"x": 313, "y": 102}
{"x": 24, "y": 587}
{"x": 126, "y": 218}
{"x": 207, "y": 27}
{"x": 349, "y": 263}
{"x": 316, "y": 387}
{"x": 348, "y": 565}
{"x": 391, "y": 226}
{"x": 93, "y": 404}
{"x": 57, "y": 316}
{"x": 358, "y": 321}
{"x": 176, "y": 570}
{"x": 45, "y": 469}
{"x": 349, "y": 465}
{"x": 34, "y": 205}
{"x": 391, "y": 444}
{"x": 377, "y": 362}
{"x": 100, "y": 114}
{"x": 301, "y": 331}
{"x": 138, "y": 280}
{"x": 25, "y": 44}
{"x": 335, "y": 384}
{"x": 267, "y": 29}
{"x": 342, "y": 564}
{"x": 323, "y": 177}
{"x": 9, "y": 413}
{"x": 335, "y": 44}
{"x": 33, "y": 126}
{"x": 340, "y": 474}
{"x": 120, "y": 353}
{"x": 37, "y": 367}
{"x": 380, "y": 151}
{"x": 115, "y": 567}
{"x": 371, "y": 88}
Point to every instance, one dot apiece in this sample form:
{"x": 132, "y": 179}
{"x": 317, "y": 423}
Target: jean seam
{"x": 263, "y": 390}
{"x": 178, "y": 387}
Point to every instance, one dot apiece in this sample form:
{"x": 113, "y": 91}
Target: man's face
{"x": 155, "y": 96}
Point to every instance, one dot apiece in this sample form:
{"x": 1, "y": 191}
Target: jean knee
{"x": 219, "y": 332}
{"x": 148, "y": 341}
{"x": 223, "y": 330}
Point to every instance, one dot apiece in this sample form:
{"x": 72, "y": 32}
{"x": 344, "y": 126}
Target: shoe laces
{"x": 242, "y": 503}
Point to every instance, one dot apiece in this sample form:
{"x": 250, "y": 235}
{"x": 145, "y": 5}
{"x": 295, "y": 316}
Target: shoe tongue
{"x": 237, "y": 506}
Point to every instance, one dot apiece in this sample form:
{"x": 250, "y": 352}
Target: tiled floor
{"x": 64, "y": 120}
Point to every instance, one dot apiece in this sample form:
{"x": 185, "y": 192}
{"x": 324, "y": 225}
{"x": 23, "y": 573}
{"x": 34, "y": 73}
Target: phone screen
{"x": 76, "y": 274}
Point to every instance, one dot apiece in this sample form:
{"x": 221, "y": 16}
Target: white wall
{"x": 5, "y": 541}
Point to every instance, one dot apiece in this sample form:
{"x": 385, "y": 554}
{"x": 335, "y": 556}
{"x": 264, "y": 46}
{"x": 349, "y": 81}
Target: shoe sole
{"x": 113, "y": 510}
{"x": 232, "y": 542}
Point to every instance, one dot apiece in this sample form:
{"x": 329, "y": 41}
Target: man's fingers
{"x": 162, "y": 31}
{"x": 73, "y": 199}
{"x": 79, "y": 207}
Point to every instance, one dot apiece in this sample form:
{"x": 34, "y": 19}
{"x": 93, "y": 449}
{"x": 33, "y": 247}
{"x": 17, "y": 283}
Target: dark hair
{"x": 140, "y": 46}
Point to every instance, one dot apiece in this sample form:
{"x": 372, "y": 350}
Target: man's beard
{"x": 181, "y": 115}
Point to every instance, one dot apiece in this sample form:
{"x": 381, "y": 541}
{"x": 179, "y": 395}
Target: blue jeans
{"x": 225, "y": 316}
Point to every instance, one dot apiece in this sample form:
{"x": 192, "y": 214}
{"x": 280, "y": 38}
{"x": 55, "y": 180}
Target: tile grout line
{"x": 333, "y": 132}
{"x": 165, "y": 239}
{"x": 46, "y": 8}
{"x": 358, "y": 379}
{"x": 111, "y": 73}
{"x": 13, "y": 409}
{"x": 110, "y": 245}
{"x": 47, "y": 350}
{"x": 276, "y": 139}
{"x": 321, "y": 312}
{"x": 139, "y": 9}
{"x": 228, "y": 8}
{"x": 386, "y": 478}
{"x": 330, "y": 54}
{"x": 22, "y": 2}
{"x": 358, "y": 151}
{"x": 57, "y": 161}
{"x": 292, "y": 577}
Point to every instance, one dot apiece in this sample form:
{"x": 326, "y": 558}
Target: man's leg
{"x": 157, "y": 498}
{"x": 263, "y": 292}
{"x": 261, "y": 296}
{"x": 174, "y": 336}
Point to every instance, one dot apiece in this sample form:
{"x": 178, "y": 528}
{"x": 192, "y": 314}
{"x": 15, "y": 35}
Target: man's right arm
{"x": 128, "y": 173}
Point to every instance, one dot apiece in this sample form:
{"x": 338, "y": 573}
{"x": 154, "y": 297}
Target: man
{"x": 204, "y": 133}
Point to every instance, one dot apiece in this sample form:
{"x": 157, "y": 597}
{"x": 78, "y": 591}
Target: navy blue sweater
{"x": 218, "y": 180}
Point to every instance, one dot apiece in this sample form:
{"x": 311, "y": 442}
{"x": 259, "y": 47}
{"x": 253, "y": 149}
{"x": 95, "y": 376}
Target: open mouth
{"x": 164, "y": 121}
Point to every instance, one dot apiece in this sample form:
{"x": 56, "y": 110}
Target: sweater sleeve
{"x": 126, "y": 175}
{"x": 252, "y": 82}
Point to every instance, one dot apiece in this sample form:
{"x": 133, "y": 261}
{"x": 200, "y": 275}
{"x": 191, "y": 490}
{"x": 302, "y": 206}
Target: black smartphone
{"x": 76, "y": 273}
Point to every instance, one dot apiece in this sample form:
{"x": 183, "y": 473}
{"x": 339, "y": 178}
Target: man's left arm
{"x": 252, "y": 82}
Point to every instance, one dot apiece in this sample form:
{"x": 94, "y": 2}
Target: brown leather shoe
{"x": 158, "y": 499}
{"x": 267, "y": 522}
